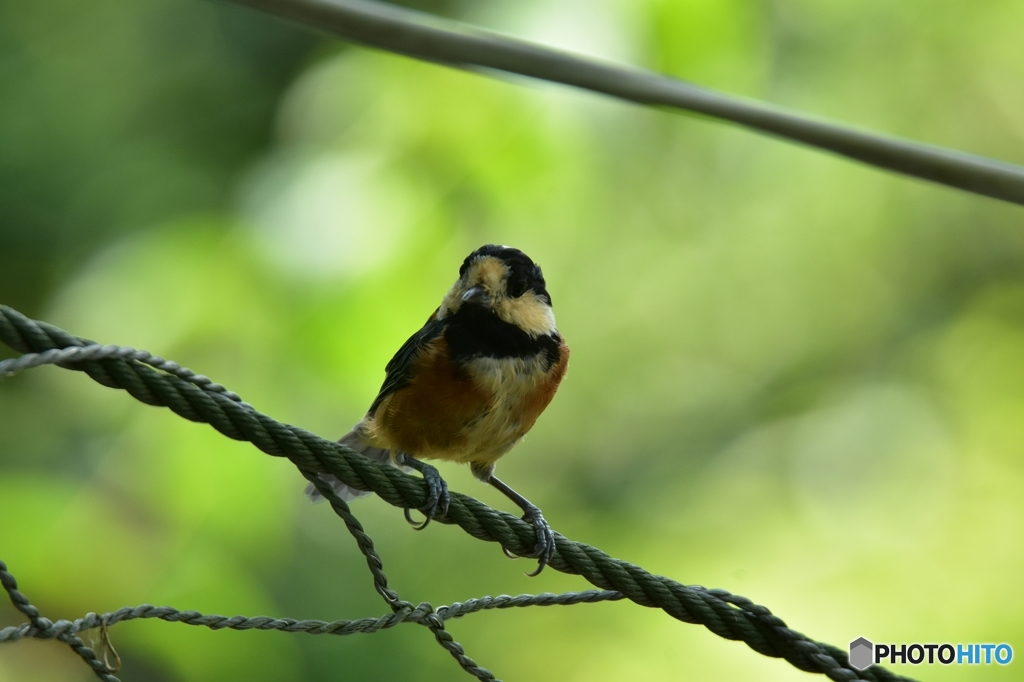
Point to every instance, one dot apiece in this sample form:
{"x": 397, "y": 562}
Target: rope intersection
{"x": 403, "y": 612}
{"x": 196, "y": 398}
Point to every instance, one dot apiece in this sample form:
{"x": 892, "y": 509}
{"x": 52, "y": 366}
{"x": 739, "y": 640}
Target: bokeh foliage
{"x": 792, "y": 377}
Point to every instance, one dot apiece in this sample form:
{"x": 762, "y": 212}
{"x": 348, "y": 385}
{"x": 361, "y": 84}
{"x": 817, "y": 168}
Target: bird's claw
{"x": 438, "y": 498}
{"x": 545, "y": 547}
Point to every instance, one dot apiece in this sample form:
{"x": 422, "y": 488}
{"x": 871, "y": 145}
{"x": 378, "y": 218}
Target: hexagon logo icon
{"x": 861, "y": 653}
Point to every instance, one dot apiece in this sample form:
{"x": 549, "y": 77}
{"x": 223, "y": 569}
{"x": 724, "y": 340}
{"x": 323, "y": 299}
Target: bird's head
{"x": 504, "y": 281}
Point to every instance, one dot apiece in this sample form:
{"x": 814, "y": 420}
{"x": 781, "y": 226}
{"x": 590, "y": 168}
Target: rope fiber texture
{"x": 407, "y": 614}
{"x": 197, "y": 399}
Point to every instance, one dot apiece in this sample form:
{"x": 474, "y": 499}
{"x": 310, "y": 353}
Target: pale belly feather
{"x": 513, "y": 384}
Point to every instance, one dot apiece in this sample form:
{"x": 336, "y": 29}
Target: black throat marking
{"x": 475, "y": 332}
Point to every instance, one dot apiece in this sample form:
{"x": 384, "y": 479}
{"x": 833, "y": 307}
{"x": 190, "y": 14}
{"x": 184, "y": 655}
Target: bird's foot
{"x": 544, "y": 550}
{"x": 438, "y": 498}
{"x": 545, "y": 547}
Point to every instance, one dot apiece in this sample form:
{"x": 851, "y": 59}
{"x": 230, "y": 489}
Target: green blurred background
{"x": 793, "y": 377}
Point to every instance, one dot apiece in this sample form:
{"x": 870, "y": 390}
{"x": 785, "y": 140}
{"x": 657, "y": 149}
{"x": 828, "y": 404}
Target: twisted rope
{"x": 380, "y": 581}
{"x": 41, "y": 624}
{"x": 725, "y": 614}
{"x": 408, "y": 614}
{"x": 404, "y": 612}
{"x": 62, "y": 356}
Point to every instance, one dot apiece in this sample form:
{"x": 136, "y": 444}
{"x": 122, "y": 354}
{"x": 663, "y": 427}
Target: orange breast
{"x": 429, "y": 417}
{"x": 539, "y": 399}
{"x": 474, "y": 413}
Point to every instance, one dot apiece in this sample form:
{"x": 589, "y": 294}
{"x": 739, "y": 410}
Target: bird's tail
{"x": 353, "y": 440}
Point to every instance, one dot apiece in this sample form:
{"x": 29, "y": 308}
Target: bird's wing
{"x": 399, "y": 369}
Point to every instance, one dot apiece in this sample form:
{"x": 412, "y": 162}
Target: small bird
{"x": 469, "y": 384}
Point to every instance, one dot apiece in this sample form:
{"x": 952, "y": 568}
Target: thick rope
{"x": 725, "y": 614}
{"x": 98, "y": 352}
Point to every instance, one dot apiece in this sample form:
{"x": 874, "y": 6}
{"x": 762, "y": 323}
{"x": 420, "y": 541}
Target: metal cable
{"x": 434, "y": 39}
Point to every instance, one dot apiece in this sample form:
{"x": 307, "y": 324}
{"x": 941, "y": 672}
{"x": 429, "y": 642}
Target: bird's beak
{"x": 477, "y": 295}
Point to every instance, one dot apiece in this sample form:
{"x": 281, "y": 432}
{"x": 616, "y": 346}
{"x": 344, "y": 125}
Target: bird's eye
{"x": 516, "y": 287}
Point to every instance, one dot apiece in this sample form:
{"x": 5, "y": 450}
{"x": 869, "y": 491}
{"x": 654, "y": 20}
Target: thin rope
{"x": 726, "y": 615}
{"x": 364, "y": 626}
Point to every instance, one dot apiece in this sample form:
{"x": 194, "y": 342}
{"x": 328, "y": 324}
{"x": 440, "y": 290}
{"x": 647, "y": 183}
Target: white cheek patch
{"x": 452, "y": 300}
{"x": 528, "y": 312}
